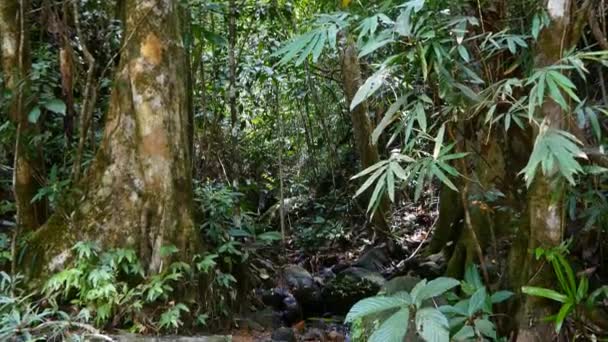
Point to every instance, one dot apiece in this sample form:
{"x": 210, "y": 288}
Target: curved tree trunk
{"x": 138, "y": 192}
{"x": 362, "y": 127}
{"x": 16, "y": 65}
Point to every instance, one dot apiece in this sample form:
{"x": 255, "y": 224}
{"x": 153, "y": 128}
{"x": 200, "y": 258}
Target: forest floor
{"x": 315, "y": 287}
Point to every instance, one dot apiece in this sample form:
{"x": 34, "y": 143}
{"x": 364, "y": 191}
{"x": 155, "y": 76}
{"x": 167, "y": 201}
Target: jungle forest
{"x": 303, "y": 170}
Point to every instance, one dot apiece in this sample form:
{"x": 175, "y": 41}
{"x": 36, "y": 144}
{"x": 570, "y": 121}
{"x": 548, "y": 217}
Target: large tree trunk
{"x": 138, "y": 192}
{"x": 362, "y": 127}
{"x": 16, "y": 65}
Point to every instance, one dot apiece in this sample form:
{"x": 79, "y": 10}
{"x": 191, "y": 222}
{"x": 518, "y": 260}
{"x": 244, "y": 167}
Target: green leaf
{"x": 370, "y": 169}
{"x": 536, "y": 26}
{"x": 486, "y": 328}
{"x": 545, "y": 293}
{"x": 477, "y": 301}
{"x": 432, "y": 325}
{"x": 437, "y": 287}
{"x": 388, "y": 118}
{"x": 373, "y": 305}
{"x": 471, "y": 276}
{"x": 34, "y": 115}
{"x": 561, "y": 315}
{"x": 316, "y": 52}
{"x": 500, "y": 296}
{"x": 394, "y": 328}
{"x": 583, "y": 288}
{"x": 270, "y": 236}
{"x": 403, "y": 24}
{"x": 374, "y": 200}
{"x": 55, "y": 106}
{"x": 309, "y": 47}
{"x": 371, "y": 85}
{"x": 370, "y": 181}
{"x": 420, "y": 115}
{"x": 444, "y": 179}
{"x": 556, "y": 94}
{"x": 376, "y": 43}
{"x": 464, "y": 334}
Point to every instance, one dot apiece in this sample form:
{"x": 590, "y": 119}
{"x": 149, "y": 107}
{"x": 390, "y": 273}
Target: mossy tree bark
{"x": 547, "y": 192}
{"x": 362, "y": 127}
{"x": 16, "y": 64}
{"x": 138, "y": 191}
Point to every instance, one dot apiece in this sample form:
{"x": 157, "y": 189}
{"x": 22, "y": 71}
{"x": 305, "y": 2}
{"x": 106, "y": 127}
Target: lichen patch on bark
{"x": 152, "y": 49}
{"x": 557, "y": 8}
{"x": 9, "y": 45}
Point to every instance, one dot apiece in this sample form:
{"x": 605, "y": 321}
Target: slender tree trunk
{"x": 362, "y": 127}
{"x": 232, "y": 92}
{"x": 16, "y": 65}
{"x": 138, "y": 192}
{"x": 547, "y": 193}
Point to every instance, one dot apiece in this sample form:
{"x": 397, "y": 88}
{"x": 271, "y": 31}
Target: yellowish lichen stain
{"x": 152, "y": 49}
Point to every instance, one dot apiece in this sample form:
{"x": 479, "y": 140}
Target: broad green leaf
{"x": 432, "y": 325}
{"x": 372, "y": 305}
{"x": 55, "y": 106}
{"x": 477, "y": 301}
{"x": 501, "y": 296}
{"x": 34, "y": 115}
{"x": 471, "y": 276}
{"x": 436, "y": 287}
{"x": 417, "y": 289}
{"x": 393, "y": 329}
{"x": 486, "y": 328}
{"x": 464, "y": 334}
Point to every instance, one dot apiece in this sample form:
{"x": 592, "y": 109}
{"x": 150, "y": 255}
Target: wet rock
{"x": 283, "y": 335}
{"x": 335, "y": 336}
{"x": 375, "y": 259}
{"x": 304, "y": 288}
{"x": 314, "y": 335}
{"x": 285, "y": 305}
{"x": 267, "y": 318}
{"x": 292, "y": 312}
{"x": 350, "y": 286}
